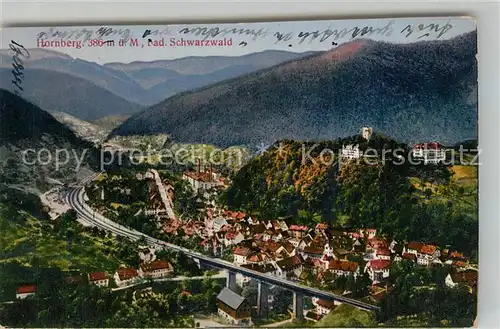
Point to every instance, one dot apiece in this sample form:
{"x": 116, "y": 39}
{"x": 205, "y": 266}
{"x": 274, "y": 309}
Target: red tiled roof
{"x": 456, "y": 254}
{"x": 431, "y": 145}
{"x": 203, "y": 176}
{"x": 423, "y": 248}
{"x": 377, "y": 243}
{"x": 234, "y": 214}
{"x": 26, "y": 289}
{"x": 156, "y": 265}
{"x": 383, "y": 252}
{"x": 298, "y": 228}
{"x": 409, "y": 256}
{"x": 428, "y": 249}
{"x": 256, "y": 258}
{"x": 127, "y": 273}
{"x": 313, "y": 250}
{"x": 241, "y": 251}
{"x": 415, "y": 246}
{"x": 379, "y": 264}
{"x": 321, "y": 226}
{"x": 95, "y": 276}
{"x": 342, "y": 265}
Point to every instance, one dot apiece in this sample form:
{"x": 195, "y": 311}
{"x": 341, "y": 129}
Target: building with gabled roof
{"x": 233, "y": 307}
{"x": 342, "y": 267}
{"x": 432, "y": 152}
{"x": 125, "y": 276}
{"x": 25, "y": 291}
{"x": 288, "y": 266}
{"x": 378, "y": 269}
{"x": 99, "y": 278}
{"x": 312, "y": 252}
{"x": 240, "y": 255}
{"x": 155, "y": 269}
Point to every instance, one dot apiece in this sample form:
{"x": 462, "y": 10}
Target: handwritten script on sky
{"x": 298, "y": 36}
{"x": 206, "y": 32}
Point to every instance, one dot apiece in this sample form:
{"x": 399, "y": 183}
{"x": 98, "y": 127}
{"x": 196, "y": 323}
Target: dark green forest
{"x": 385, "y": 195}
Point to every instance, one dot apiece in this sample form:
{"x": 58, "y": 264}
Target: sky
{"x": 297, "y": 36}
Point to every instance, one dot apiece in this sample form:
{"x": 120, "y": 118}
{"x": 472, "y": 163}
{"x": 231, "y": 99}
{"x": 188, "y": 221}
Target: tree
{"x": 250, "y": 293}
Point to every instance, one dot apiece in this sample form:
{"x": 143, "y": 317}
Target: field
{"x": 465, "y": 175}
{"x": 189, "y": 154}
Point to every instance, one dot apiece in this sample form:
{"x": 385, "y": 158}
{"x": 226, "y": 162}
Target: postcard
{"x": 277, "y": 174}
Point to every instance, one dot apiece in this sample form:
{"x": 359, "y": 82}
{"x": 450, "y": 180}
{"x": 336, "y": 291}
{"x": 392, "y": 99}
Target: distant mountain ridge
{"x": 147, "y": 83}
{"x": 418, "y": 91}
{"x": 54, "y": 91}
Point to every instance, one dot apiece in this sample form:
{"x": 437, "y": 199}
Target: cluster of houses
{"x": 126, "y": 276}
{"x": 288, "y": 251}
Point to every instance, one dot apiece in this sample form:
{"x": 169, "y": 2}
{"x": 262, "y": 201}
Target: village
{"x": 354, "y": 263}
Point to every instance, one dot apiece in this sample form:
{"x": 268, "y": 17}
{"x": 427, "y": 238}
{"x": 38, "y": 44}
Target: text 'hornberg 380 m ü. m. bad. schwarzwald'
{"x": 258, "y": 174}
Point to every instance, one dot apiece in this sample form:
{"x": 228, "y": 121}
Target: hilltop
{"x": 418, "y": 91}
{"x": 406, "y": 201}
{"x": 24, "y": 126}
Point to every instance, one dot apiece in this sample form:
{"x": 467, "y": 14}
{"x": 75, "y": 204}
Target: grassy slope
{"x": 346, "y": 316}
{"x": 463, "y": 187}
{"x": 26, "y": 237}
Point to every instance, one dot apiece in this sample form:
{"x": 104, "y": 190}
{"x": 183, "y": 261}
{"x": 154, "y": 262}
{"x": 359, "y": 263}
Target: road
{"x": 163, "y": 194}
{"x": 75, "y": 198}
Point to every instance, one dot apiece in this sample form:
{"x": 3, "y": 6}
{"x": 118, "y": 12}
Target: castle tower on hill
{"x": 367, "y": 132}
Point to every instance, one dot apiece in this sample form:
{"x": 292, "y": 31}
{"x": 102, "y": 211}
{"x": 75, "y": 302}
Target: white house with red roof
{"x": 378, "y": 269}
{"x": 99, "y": 278}
{"x": 383, "y": 253}
{"x": 298, "y": 231}
{"x": 426, "y": 254}
{"x": 240, "y": 255}
{"x": 429, "y": 152}
{"x": 341, "y": 267}
{"x": 156, "y": 269}
{"x": 126, "y": 276}
{"x": 321, "y": 228}
{"x": 25, "y": 291}
{"x": 323, "y": 307}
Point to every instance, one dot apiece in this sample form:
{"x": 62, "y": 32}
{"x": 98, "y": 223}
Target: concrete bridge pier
{"x": 231, "y": 281}
{"x": 262, "y": 299}
{"x": 298, "y": 306}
